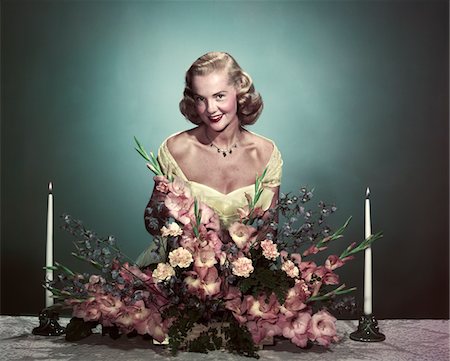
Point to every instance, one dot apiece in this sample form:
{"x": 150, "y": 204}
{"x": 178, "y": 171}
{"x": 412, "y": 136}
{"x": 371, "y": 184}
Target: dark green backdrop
{"x": 356, "y": 95}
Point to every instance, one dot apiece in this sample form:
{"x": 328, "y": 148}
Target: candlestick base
{"x": 367, "y": 330}
{"x": 48, "y": 323}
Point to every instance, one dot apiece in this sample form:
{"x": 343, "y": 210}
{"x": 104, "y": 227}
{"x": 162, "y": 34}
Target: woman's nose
{"x": 211, "y": 107}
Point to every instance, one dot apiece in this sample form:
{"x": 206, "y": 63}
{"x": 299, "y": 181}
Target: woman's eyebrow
{"x": 219, "y": 92}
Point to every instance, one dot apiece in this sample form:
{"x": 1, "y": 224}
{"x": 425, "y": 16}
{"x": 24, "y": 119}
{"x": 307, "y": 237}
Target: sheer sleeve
{"x": 168, "y": 164}
{"x": 274, "y": 169}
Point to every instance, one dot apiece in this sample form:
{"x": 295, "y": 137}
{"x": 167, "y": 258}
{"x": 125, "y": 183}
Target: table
{"x": 406, "y": 340}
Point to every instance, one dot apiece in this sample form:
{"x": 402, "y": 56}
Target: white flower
{"x": 173, "y": 230}
{"x": 290, "y": 268}
{"x": 269, "y": 249}
{"x": 180, "y": 257}
{"x": 242, "y": 267}
{"x": 163, "y": 272}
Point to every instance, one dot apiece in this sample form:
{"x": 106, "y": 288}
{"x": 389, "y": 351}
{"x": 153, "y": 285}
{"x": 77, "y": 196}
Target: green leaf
{"x": 141, "y": 150}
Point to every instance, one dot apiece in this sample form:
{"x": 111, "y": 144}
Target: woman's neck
{"x": 225, "y": 138}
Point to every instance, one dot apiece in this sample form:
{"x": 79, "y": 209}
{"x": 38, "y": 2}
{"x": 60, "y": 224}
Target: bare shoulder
{"x": 263, "y": 146}
{"x": 181, "y": 143}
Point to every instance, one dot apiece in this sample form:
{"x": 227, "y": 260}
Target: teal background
{"x": 356, "y": 95}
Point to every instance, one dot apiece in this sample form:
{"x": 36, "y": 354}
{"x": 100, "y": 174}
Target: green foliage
{"x": 77, "y": 329}
{"x": 266, "y": 280}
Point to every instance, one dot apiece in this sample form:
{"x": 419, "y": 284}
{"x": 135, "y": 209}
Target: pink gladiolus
{"x": 313, "y": 250}
{"x": 297, "y": 329}
{"x": 204, "y": 282}
{"x": 296, "y": 299}
{"x": 205, "y": 258}
{"x": 259, "y": 308}
{"x": 109, "y": 305}
{"x": 243, "y": 212}
{"x": 153, "y": 325}
{"x": 179, "y": 188}
{"x": 322, "y": 328}
{"x": 88, "y": 310}
{"x": 307, "y": 269}
{"x": 162, "y": 187}
{"x": 132, "y": 273}
{"x": 241, "y": 234}
{"x": 333, "y": 262}
{"x": 328, "y": 277}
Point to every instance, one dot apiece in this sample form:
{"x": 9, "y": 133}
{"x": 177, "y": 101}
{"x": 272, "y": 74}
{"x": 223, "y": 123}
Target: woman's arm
{"x": 156, "y": 213}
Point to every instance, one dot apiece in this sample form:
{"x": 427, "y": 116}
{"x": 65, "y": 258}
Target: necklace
{"x": 224, "y": 151}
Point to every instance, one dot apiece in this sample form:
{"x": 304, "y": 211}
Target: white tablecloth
{"x": 419, "y": 340}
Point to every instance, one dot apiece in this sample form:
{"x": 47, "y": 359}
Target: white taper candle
{"x": 367, "y": 259}
{"x": 49, "y": 249}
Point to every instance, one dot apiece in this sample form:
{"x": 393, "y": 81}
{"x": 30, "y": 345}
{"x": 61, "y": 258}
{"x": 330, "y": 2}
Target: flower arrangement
{"x": 239, "y": 286}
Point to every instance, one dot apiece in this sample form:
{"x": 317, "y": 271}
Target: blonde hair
{"x": 250, "y": 104}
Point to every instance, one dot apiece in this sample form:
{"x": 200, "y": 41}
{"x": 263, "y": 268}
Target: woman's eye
{"x": 199, "y": 99}
{"x": 220, "y": 96}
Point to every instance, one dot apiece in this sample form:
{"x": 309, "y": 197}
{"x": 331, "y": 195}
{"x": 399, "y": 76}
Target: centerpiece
{"x": 212, "y": 288}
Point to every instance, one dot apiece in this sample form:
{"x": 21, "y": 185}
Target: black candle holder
{"x": 367, "y": 330}
{"x": 48, "y": 322}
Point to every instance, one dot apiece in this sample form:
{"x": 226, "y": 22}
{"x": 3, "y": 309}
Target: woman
{"x": 219, "y": 159}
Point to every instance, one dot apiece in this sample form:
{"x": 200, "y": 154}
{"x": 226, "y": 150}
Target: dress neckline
{"x": 183, "y": 176}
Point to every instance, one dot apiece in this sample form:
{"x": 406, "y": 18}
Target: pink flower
{"x": 180, "y": 257}
{"x": 163, "y": 272}
{"x": 297, "y": 329}
{"x": 327, "y": 277}
{"x": 323, "y": 328}
{"x": 88, "y": 310}
{"x": 179, "y": 188}
{"x": 109, "y": 305}
{"x": 290, "y": 268}
{"x": 153, "y": 325}
{"x": 260, "y": 308}
{"x": 242, "y": 267}
{"x": 269, "y": 249}
{"x": 241, "y": 234}
{"x": 295, "y": 299}
{"x": 179, "y": 207}
{"x": 172, "y": 230}
{"x": 203, "y": 281}
{"x": 243, "y": 212}
{"x": 205, "y": 258}
{"x": 334, "y": 262}
{"x": 261, "y": 329}
{"x": 162, "y": 184}
{"x": 313, "y": 250}
{"x": 208, "y": 218}
{"x": 95, "y": 284}
{"x": 307, "y": 269}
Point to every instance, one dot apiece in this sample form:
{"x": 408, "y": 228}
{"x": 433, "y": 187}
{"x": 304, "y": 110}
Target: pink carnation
{"x": 242, "y": 267}
{"x": 270, "y": 250}
{"x": 173, "y": 230}
{"x": 163, "y": 272}
{"x": 180, "y": 257}
{"x": 290, "y": 268}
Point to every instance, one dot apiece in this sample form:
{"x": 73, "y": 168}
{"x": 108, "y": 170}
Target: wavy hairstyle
{"x": 250, "y": 104}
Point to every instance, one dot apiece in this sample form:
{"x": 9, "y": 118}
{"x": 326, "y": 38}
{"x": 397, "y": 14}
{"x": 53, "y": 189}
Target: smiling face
{"x": 215, "y": 100}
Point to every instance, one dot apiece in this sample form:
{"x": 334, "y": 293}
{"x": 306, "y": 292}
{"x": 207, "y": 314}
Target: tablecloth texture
{"x": 406, "y": 340}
